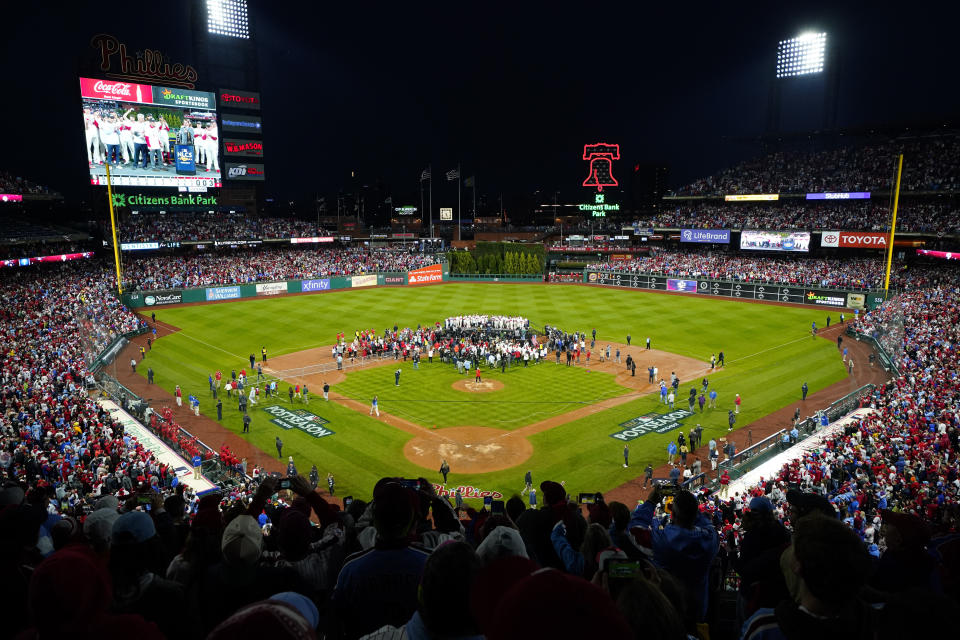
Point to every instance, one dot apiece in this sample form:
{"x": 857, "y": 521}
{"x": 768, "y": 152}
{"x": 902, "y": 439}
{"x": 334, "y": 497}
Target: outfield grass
{"x": 530, "y": 394}
{"x": 768, "y": 350}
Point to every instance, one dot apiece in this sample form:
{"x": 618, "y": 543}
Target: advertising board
{"x": 363, "y": 281}
{"x": 684, "y": 286}
{"x": 315, "y": 285}
{"x": 244, "y": 171}
{"x": 222, "y": 293}
{"x": 433, "y": 273}
{"x": 159, "y": 299}
{"x": 854, "y": 239}
{"x": 714, "y": 236}
{"x": 271, "y": 288}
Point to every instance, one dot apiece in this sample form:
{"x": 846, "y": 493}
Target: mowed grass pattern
{"x": 426, "y": 395}
{"x": 768, "y": 349}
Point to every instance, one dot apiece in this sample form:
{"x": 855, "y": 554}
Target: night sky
{"x": 512, "y": 91}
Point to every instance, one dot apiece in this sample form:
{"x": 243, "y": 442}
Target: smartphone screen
{"x": 487, "y": 502}
{"x": 347, "y": 502}
{"x": 284, "y": 484}
{"x": 497, "y": 508}
{"x": 624, "y": 569}
{"x": 587, "y": 498}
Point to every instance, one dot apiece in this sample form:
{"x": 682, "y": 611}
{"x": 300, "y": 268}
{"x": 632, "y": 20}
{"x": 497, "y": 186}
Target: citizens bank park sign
{"x": 854, "y": 239}
{"x": 299, "y": 419}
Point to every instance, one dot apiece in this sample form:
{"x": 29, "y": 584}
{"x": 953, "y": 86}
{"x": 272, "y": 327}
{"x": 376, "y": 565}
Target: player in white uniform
{"x": 126, "y": 137}
{"x": 154, "y": 147}
{"x": 165, "y": 140}
{"x": 198, "y": 142}
{"x": 110, "y": 137}
{"x": 211, "y": 144}
{"x": 93, "y": 136}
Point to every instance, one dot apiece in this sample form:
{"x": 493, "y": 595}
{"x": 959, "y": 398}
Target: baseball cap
{"x": 502, "y": 542}
{"x": 132, "y": 527}
{"x": 242, "y": 541}
{"x": 806, "y": 503}
{"x": 761, "y": 503}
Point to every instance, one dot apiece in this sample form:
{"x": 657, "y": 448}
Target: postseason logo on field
{"x": 301, "y": 419}
{"x": 651, "y": 423}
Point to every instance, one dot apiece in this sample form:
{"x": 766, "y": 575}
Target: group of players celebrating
{"x": 121, "y": 140}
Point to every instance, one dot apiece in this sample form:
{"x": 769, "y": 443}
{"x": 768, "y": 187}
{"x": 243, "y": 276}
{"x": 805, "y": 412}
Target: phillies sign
{"x": 854, "y": 239}
{"x": 149, "y": 64}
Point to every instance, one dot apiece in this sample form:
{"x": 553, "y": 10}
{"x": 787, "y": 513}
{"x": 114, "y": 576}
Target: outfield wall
{"x": 426, "y": 275}
{"x": 829, "y": 298}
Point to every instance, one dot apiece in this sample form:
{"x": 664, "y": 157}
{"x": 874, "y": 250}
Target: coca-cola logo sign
{"x": 116, "y": 88}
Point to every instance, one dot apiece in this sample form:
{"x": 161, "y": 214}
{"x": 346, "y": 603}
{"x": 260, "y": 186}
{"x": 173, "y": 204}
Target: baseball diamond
{"x": 555, "y": 418}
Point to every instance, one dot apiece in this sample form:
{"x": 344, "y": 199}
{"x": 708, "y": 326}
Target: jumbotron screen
{"x": 151, "y": 136}
{"x": 775, "y": 240}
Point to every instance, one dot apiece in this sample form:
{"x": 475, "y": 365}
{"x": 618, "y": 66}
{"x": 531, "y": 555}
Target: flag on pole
{"x": 469, "y": 182}
{"x": 425, "y": 175}
{"x": 453, "y": 174}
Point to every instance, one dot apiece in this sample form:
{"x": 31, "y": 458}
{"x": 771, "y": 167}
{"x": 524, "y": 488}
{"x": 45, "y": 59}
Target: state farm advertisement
{"x": 854, "y": 239}
{"x": 426, "y": 275}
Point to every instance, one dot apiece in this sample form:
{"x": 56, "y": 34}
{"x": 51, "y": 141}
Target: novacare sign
{"x": 301, "y": 419}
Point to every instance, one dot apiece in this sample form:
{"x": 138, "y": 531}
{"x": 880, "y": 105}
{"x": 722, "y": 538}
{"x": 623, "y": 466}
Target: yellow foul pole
{"x": 893, "y": 229}
{"x": 113, "y": 227}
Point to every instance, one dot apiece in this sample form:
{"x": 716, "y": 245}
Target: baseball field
{"x": 556, "y": 421}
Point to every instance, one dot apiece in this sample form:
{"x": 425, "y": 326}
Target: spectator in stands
{"x": 685, "y": 547}
{"x": 360, "y": 603}
{"x": 825, "y": 569}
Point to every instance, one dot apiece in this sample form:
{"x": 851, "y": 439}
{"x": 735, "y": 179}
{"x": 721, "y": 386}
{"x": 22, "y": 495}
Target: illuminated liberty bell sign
{"x": 601, "y": 156}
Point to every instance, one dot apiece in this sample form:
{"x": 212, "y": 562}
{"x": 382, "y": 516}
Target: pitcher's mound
{"x": 477, "y": 387}
{"x": 468, "y": 449}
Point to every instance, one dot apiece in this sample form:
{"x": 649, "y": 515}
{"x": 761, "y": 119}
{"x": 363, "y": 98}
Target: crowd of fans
{"x": 912, "y": 216}
{"x": 10, "y": 183}
{"x": 931, "y": 163}
{"x": 855, "y": 273}
{"x": 196, "y": 225}
{"x": 857, "y": 535}
{"x": 199, "y": 270}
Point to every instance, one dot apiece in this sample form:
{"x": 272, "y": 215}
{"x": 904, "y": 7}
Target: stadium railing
{"x": 139, "y": 408}
{"x": 887, "y": 362}
{"x": 752, "y": 457}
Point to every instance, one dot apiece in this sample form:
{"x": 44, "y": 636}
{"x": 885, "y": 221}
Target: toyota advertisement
{"x": 854, "y": 239}
{"x": 755, "y": 240}
{"x": 150, "y": 136}
{"x": 714, "y": 236}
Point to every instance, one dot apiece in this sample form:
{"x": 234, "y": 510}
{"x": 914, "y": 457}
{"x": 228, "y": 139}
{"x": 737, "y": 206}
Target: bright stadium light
{"x": 228, "y": 18}
{"x": 802, "y": 55}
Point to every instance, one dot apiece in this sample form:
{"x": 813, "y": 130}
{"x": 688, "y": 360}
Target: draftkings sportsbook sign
{"x": 651, "y": 423}
{"x": 301, "y": 419}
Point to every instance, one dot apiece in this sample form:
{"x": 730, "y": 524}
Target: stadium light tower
{"x": 805, "y": 63}
{"x": 228, "y": 18}
{"x": 802, "y": 55}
